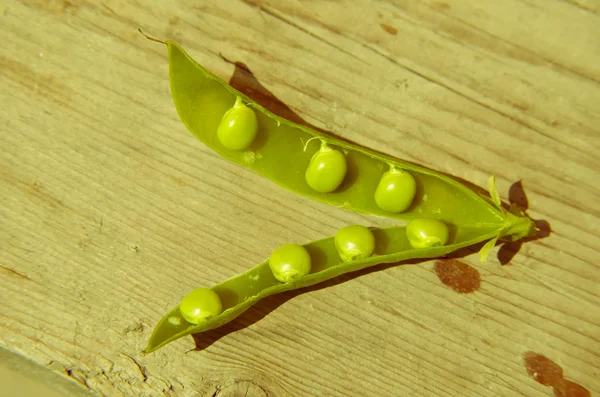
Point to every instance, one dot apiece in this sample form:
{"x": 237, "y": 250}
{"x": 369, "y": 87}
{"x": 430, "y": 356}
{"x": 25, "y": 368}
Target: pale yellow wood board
{"x": 110, "y": 210}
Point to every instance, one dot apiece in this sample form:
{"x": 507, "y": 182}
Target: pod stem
{"x": 151, "y": 38}
{"x": 517, "y": 227}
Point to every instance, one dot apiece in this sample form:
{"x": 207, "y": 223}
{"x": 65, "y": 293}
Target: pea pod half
{"x": 242, "y": 291}
{"x": 282, "y": 152}
{"x": 361, "y": 180}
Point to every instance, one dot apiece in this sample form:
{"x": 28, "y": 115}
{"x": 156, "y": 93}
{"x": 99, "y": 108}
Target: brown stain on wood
{"x": 181, "y": 183}
{"x": 457, "y": 275}
{"x": 389, "y": 29}
{"x": 542, "y": 369}
{"x": 55, "y": 6}
{"x": 46, "y": 86}
{"x": 521, "y": 107}
{"x": 441, "y": 6}
{"x": 567, "y": 388}
{"x": 548, "y": 373}
{"x": 37, "y": 190}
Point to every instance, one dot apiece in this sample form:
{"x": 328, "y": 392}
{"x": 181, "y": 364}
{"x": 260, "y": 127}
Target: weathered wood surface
{"x": 110, "y": 210}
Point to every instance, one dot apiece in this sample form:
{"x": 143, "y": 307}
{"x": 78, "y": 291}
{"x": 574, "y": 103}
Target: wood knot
{"x": 238, "y": 388}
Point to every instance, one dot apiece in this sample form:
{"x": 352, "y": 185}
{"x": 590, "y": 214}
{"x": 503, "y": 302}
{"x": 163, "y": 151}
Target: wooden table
{"x": 110, "y": 210}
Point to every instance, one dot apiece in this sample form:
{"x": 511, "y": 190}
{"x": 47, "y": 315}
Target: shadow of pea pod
{"x": 517, "y": 196}
{"x": 262, "y": 308}
{"x": 508, "y": 249}
{"x": 244, "y": 81}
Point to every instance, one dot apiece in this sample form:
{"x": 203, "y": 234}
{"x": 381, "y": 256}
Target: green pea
{"x": 326, "y": 170}
{"x": 396, "y": 191}
{"x": 238, "y": 127}
{"x": 200, "y": 305}
{"x": 290, "y": 262}
{"x": 354, "y": 242}
{"x": 426, "y": 233}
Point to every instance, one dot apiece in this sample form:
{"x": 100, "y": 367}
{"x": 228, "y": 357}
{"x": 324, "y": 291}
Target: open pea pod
{"x": 443, "y": 214}
{"x": 244, "y": 290}
{"x": 283, "y": 150}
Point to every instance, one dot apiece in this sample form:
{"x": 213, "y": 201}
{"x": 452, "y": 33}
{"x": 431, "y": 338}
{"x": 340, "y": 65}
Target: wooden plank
{"x": 110, "y": 210}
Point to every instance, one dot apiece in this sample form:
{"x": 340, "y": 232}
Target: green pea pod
{"x": 281, "y": 151}
{"x": 283, "y": 148}
{"x": 242, "y": 291}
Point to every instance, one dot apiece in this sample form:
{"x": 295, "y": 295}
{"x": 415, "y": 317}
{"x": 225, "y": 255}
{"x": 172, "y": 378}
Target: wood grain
{"x": 110, "y": 210}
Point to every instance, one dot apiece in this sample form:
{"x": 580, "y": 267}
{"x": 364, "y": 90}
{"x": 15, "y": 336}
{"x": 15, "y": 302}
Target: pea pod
{"x": 282, "y": 152}
{"x": 338, "y": 173}
{"x": 242, "y": 291}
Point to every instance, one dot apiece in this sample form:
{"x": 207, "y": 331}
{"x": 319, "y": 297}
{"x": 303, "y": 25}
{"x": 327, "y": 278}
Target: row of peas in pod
{"x": 291, "y": 262}
{"x": 327, "y": 167}
{"x": 326, "y": 171}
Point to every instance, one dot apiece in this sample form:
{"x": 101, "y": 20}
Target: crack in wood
{"x": 14, "y": 273}
{"x": 304, "y": 30}
{"x": 141, "y": 368}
